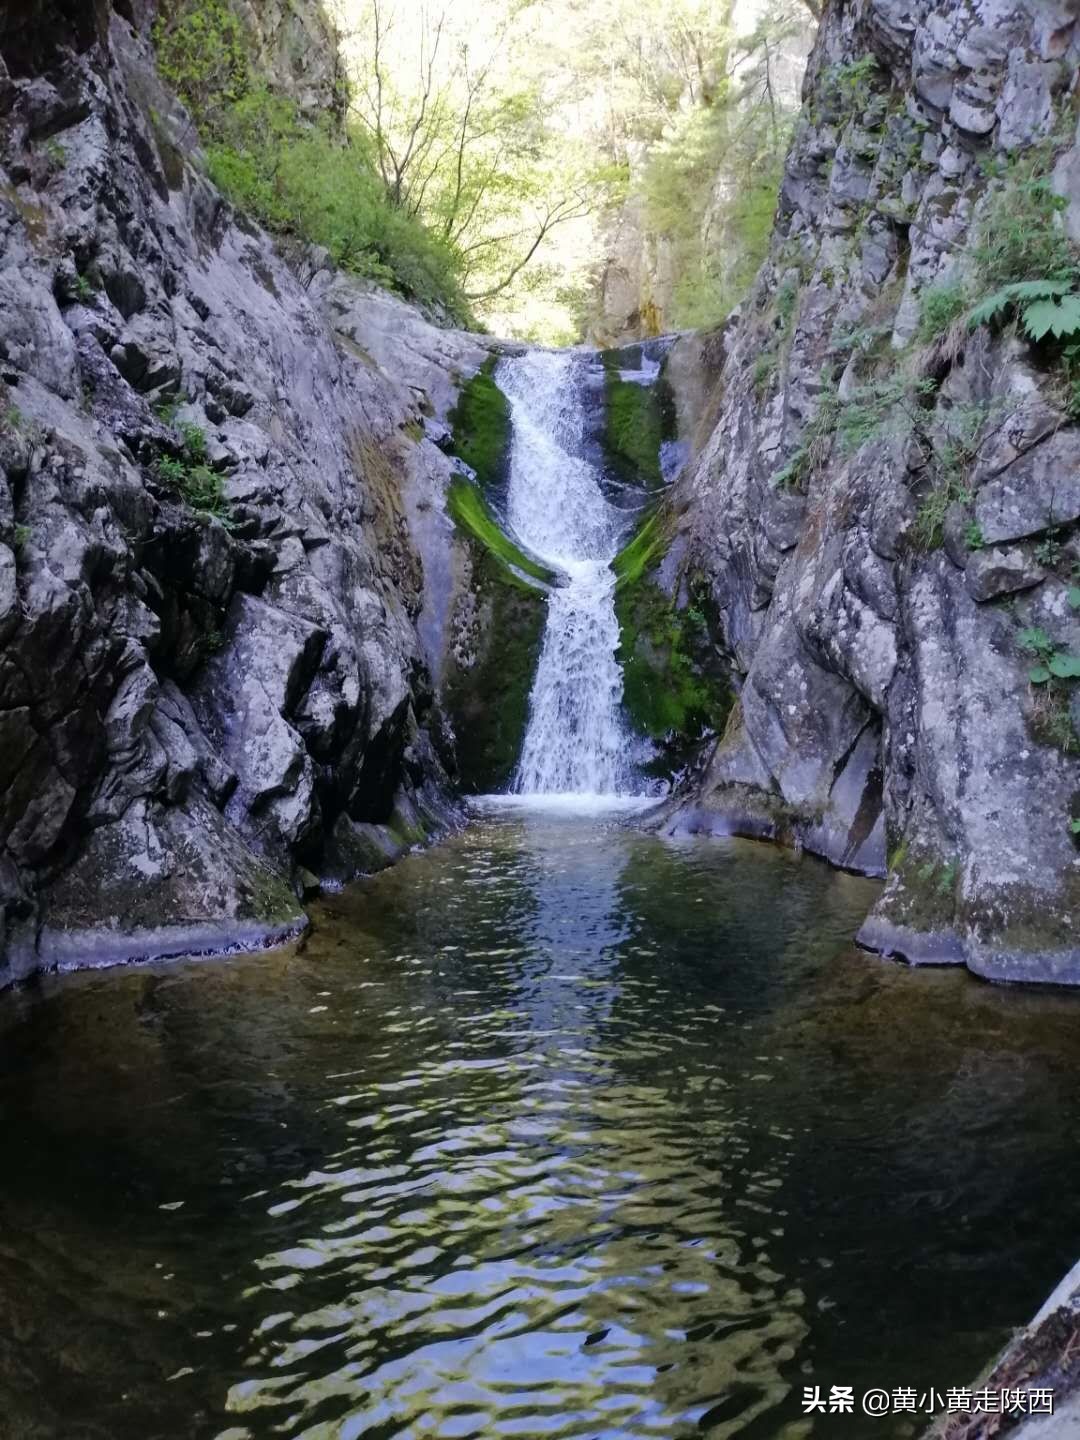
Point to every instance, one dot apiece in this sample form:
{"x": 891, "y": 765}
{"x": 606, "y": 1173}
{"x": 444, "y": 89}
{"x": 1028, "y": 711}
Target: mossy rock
{"x": 637, "y": 420}
{"x": 471, "y": 513}
{"x": 487, "y": 699}
{"x": 481, "y": 428}
{"x": 673, "y": 692}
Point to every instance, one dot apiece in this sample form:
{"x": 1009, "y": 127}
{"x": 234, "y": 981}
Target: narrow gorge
{"x": 480, "y": 782}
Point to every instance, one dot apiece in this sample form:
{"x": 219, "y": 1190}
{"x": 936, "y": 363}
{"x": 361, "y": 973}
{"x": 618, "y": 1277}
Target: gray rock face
{"x": 885, "y": 718}
{"x": 191, "y": 710}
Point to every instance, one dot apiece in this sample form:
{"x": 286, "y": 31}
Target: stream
{"x": 556, "y": 1129}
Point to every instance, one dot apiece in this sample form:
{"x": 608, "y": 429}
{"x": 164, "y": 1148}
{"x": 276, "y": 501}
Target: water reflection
{"x": 557, "y": 1130}
{"x": 522, "y": 1236}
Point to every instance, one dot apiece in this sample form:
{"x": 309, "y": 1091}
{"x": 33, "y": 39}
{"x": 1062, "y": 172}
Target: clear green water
{"x": 554, "y": 1130}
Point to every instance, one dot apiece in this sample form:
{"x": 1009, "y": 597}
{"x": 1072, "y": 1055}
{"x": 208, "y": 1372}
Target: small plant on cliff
{"x": 849, "y": 86}
{"x": 940, "y": 307}
{"x": 1021, "y": 237}
{"x": 192, "y": 478}
{"x": 1052, "y": 662}
{"x": 814, "y": 447}
{"x": 1052, "y": 675}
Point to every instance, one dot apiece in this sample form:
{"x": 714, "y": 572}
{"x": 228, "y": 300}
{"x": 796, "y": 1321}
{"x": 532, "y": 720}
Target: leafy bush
{"x": 297, "y": 179}
{"x": 192, "y": 478}
{"x": 202, "y": 51}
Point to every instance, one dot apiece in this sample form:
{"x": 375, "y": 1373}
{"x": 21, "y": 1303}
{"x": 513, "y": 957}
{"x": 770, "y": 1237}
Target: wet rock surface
{"x": 221, "y": 531}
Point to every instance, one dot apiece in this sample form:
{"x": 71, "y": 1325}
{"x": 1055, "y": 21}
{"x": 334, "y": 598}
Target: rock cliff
{"x": 223, "y": 537}
{"x": 882, "y": 519}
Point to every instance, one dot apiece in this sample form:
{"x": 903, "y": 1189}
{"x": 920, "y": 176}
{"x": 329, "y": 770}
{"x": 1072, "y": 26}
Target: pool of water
{"x": 555, "y": 1130}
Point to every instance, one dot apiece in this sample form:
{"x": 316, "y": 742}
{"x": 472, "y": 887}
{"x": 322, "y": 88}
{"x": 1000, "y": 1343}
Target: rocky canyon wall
{"x": 883, "y": 518}
{"x": 225, "y": 562}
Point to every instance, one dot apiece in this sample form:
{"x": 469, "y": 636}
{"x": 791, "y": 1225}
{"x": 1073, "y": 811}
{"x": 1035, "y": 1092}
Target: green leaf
{"x": 1053, "y": 317}
{"x": 1038, "y": 289}
{"x": 1074, "y": 596}
{"x": 1035, "y": 641}
{"x": 1038, "y": 675}
{"x": 1017, "y": 294}
{"x": 1065, "y": 667}
{"x": 991, "y": 307}
{"x": 1074, "y": 826}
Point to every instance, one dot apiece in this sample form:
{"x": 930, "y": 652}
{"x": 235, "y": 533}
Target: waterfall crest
{"x": 576, "y": 741}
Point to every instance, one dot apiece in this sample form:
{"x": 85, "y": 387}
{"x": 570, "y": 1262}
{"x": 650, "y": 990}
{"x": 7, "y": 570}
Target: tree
{"x": 458, "y": 130}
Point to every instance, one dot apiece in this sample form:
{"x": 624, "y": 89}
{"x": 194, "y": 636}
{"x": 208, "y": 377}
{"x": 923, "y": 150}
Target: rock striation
{"x": 884, "y": 514}
{"x": 222, "y": 530}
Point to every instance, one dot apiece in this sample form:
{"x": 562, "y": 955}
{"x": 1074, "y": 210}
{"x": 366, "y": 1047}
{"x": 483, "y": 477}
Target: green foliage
{"x": 765, "y": 368}
{"x": 718, "y": 235}
{"x": 1046, "y": 307}
{"x": 21, "y": 536}
{"x": 480, "y": 426}
{"x": 671, "y": 691}
{"x": 84, "y": 290}
{"x": 1020, "y": 237}
{"x": 666, "y": 692}
{"x": 1052, "y": 662}
{"x": 192, "y": 478}
{"x": 814, "y": 447}
{"x": 849, "y": 86}
{"x": 194, "y": 438}
{"x": 299, "y": 180}
{"x": 973, "y": 536}
{"x": 13, "y": 418}
{"x": 941, "y": 306}
{"x": 469, "y": 510}
{"x": 202, "y": 52}
{"x": 1048, "y": 550}
{"x": 928, "y": 530}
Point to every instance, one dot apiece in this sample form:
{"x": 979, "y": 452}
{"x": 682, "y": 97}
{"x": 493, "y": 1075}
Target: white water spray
{"x": 576, "y": 742}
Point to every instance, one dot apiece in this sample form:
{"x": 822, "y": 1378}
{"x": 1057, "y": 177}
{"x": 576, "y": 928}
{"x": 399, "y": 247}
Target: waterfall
{"x": 576, "y": 742}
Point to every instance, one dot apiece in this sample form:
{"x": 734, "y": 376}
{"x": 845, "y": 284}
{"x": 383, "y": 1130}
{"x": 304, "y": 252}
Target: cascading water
{"x": 576, "y": 742}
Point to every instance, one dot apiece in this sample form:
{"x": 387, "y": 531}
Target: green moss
{"x": 672, "y": 692}
{"x": 646, "y": 548}
{"x": 470, "y": 511}
{"x": 667, "y": 693}
{"x": 488, "y": 699}
{"x": 637, "y": 419}
{"x": 481, "y": 427}
{"x": 487, "y": 688}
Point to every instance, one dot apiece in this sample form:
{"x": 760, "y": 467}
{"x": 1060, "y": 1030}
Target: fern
{"x": 1053, "y": 317}
{"x": 1017, "y": 294}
